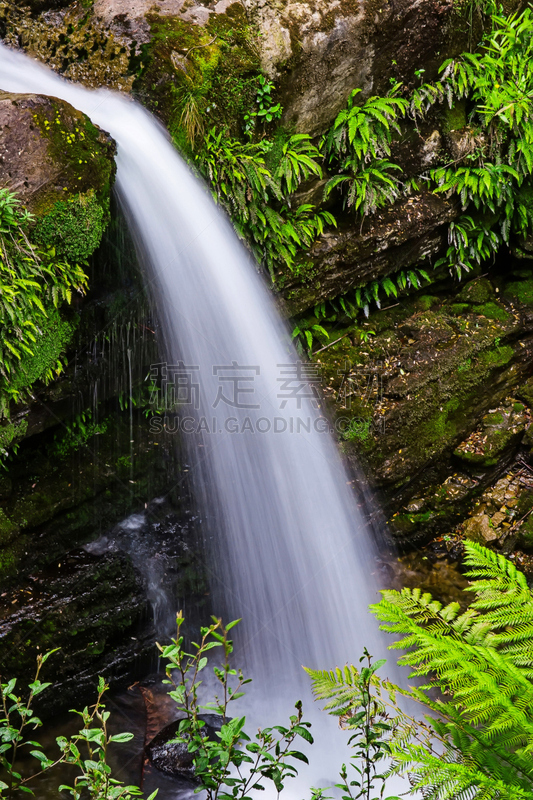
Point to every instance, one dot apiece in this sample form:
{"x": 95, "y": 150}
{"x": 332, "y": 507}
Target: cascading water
{"x": 288, "y": 548}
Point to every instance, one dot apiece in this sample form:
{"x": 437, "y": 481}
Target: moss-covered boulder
{"x": 57, "y": 162}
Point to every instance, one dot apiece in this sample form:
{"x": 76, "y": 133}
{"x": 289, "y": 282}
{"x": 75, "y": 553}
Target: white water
{"x": 289, "y": 550}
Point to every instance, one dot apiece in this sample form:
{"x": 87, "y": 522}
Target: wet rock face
{"x": 439, "y": 397}
{"x": 410, "y": 231}
{"x": 50, "y": 152}
{"x": 83, "y": 604}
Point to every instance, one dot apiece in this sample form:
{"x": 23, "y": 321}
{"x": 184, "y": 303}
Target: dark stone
{"x": 91, "y": 607}
{"x": 173, "y": 758}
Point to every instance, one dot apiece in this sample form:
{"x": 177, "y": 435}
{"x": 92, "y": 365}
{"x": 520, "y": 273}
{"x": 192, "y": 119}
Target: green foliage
{"x": 477, "y": 740}
{"x": 233, "y": 765}
{"x": 306, "y": 332}
{"x": 32, "y": 284}
{"x": 254, "y": 198}
{"x": 297, "y": 163}
{"x": 77, "y": 433}
{"x": 493, "y": 176}
{"x": 94, "y": 778}
{"x": 356, "y": 144}
{"x": 365, "y": 132}
{"x": 46, "y": 361}
{"x": 369, "y": 187}
{"x": 86, "y": 750}
{"x": 74, "y": 228}
{"x": 351, "y": 697}
{"x": 358, "y": 430}
{"x": 481, "y": 661}
{"x": 266, "y": 111}
{"x": 307, "y": 329}
{"x": 16, "y": 716}
{"x": 469, "y": 243}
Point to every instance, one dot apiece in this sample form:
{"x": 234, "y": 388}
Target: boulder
{"x": 478, "y": 529}
{"x": 173, "y": 758}
{"x": 50, "y": 153}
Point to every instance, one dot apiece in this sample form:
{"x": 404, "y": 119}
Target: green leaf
{"x": 121, "y": 737}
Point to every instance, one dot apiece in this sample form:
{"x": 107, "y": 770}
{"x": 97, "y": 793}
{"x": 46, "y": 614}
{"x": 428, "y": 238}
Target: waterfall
{"x": 288, "y": 548}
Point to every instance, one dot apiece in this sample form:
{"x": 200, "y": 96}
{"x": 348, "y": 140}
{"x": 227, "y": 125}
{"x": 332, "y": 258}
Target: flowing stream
{"x": 288, "y": 549}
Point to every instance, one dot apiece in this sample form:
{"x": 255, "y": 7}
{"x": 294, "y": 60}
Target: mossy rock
{"x": 476, "y": 292}
{"x": 196, "y": 77}
{"x": 426, "y": 301}
{"x": 521, "y": 291}
{"x": 454, "y": 118}
{"x": 492, "y": 310}
{"x": 53, "y": 153}
{"x": 459, "y": 308}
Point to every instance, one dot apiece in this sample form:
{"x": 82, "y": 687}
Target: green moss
{"x": 426, "y": 301}
{"x": 454, "y": 118}
{"x": 55, "y": 335}
{"x": 496, "y": 418}
{"x": 521, "y": 291}
{"x": 458, "y": 309}
{"x": 497, "y": 356}
{"x": 492, "y": 310}
{"x": 73, "y": 228}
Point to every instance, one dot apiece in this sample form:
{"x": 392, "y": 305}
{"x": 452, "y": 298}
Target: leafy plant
{"x": 369, "y": 187}
{"x": 77, "y": 433}
{"x": 16, "y": 716}
{"x": 365, "y": 132}
{"x": 32, "y": 282}
{"x": 241, "y": 181}
{"x": 266, "y": 111}
{"x": 298, "y": 161}
{"x": 306, "y": 332}
{"x": 94, "y": 777}
{"x": 477, "y": 740}
{"x": 358, "y": 141}
{"x": 233, "y": 765}
{"x": 351, "y": 697}
{"x": 469, "y": 243}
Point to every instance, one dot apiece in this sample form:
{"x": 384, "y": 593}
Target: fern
{"x": 478, "y": 741}
{"x": 297, "y": 163}
{"x": 254, "y": 197}
{"x": 32, "y": 281}
{"x": 365, "y": 132}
